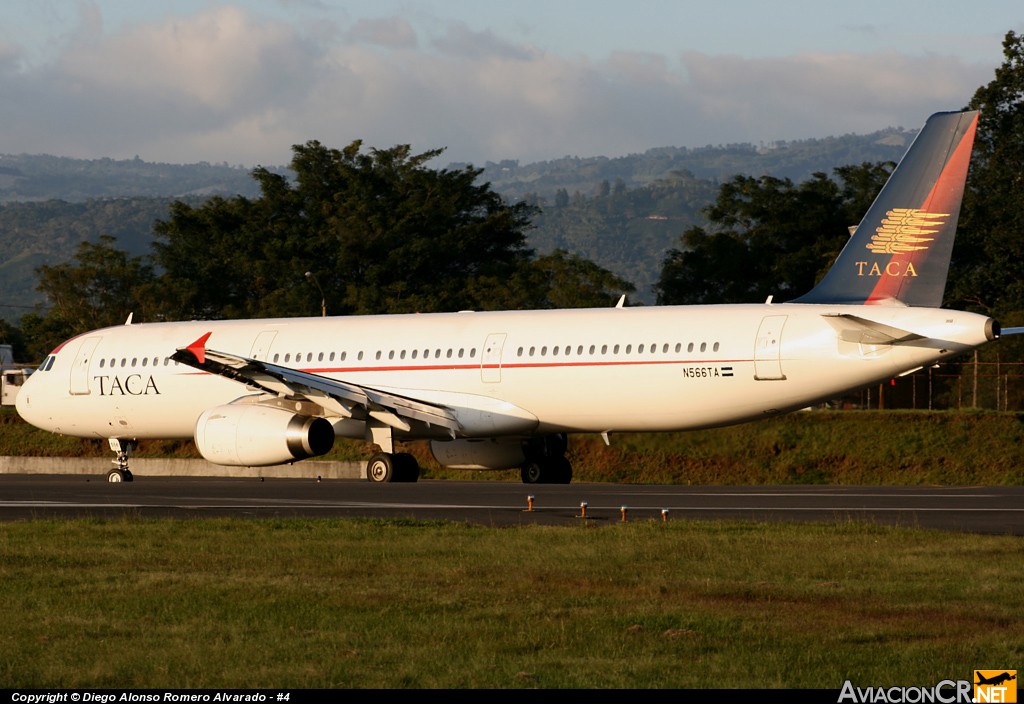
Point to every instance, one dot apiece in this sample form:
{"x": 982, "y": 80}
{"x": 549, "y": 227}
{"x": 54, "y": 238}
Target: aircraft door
{"x": 490, "y": 361}
{"x": 79, "y": 383}
{"x": 261, "y": 347}
{"x": 768, "y": 349}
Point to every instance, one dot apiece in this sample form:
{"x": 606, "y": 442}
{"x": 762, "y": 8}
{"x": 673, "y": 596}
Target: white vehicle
{"x": 501, "y": 390}
{"x": 12, "y": 377}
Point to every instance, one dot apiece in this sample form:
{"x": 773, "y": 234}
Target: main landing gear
{"x": 393, "y": 467}
{"x": 120, "y": 472}
{"x": 546, "y": 462}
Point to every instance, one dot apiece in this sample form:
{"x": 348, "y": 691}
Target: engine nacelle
{"x": 256, "y": 436}
{"x": 485, "y": 453}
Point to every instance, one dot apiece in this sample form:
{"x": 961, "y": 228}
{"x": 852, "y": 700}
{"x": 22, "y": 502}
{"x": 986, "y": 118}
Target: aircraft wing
{"x": 337, "y": 398}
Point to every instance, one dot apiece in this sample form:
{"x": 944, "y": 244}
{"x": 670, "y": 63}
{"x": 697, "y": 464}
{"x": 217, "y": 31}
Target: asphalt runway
{"x": 990, "y": 510}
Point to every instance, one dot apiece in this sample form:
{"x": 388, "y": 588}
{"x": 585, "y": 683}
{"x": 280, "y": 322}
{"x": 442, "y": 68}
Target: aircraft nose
{"x": 23, "y": 401}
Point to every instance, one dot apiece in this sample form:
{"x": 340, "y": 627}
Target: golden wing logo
{"x": 906, "y": 230}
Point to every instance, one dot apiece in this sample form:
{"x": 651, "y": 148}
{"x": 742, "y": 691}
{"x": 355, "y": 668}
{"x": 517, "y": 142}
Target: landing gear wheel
{"x": 381, "y": 468}
{"x": 116, "y": 476}
{"x": 532, "y": 473}
{"x": 407, "y": 469}
{"x": 561, "y": 471}
{"x": 550, "y": 470}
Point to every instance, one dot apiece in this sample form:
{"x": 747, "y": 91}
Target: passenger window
{"x": 689, "y": 347}
{"x": 604, "y": 349}
{"x": 554, "y": 352}
{"x": 532, "y": 351}
{"x": 472, "y": 352}
{"x": 629, "y": 349}
{"x": 102, "y": 361}
{"x": 592, "y": 349}
{"x": 716, "y": 347}
{"x": 519, "y": 352}
{"x": 640, "y": 349}
{"x": 415, "y": 353}
{"x": 679, "y": 347}
{"x": 615, "y": 350}
{"x": 703, "y": 346}
{"x": 360, "y": 356}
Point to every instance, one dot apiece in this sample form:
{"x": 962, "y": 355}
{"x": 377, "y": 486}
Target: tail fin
{"x": 900, "y": 251}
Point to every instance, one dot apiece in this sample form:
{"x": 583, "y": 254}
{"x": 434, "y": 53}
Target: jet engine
{"x": 483, "y": 453}
{"x": 256, "y": 436}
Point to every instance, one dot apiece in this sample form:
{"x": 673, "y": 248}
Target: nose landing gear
{"x": 120, "y": 472}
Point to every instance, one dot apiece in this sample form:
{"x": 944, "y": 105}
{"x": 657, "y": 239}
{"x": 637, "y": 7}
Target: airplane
{"x": 504, "y": 389}
{"x": 996, "y": 679}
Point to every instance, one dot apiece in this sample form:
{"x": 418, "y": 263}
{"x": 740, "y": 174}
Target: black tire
{"x": 532, "y": 473}
{"x": 407, "y": 469}
{"x": 381, "y": 468}
{"x": 115, "y": 476}
{"x": 561, "y": 471}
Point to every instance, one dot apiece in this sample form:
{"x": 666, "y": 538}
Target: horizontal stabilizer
{"x": 852, "y": 328}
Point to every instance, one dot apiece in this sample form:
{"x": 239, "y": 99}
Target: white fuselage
{"x": 504, "y": 373}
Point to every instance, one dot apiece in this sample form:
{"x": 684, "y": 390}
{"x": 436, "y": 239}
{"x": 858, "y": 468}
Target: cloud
{"x": 390, "y": 32}
{"x": 225, "y": 84}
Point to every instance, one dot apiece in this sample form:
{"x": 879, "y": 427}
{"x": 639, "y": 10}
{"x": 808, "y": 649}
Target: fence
{"x": 985, "y": 385}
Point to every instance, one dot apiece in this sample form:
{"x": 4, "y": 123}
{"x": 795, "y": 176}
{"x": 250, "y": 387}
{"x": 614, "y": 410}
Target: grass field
{"x": 138, "y": 603}
{"x": 366, "y": 604}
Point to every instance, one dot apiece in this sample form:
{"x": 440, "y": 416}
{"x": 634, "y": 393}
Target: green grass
{"x": 365, "y": 604}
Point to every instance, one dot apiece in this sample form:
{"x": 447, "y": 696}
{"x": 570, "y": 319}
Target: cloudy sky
{"x": 241, "y": 81}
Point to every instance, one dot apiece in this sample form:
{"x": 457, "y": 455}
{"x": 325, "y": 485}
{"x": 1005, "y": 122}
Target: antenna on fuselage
{"x": 129, "y": 320}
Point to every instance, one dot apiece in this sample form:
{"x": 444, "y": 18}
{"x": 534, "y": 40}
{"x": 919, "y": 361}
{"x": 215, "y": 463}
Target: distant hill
{"x": 623, "y": 213}
{"x": 797, "y": 160}
{"x": 37, "y": 177}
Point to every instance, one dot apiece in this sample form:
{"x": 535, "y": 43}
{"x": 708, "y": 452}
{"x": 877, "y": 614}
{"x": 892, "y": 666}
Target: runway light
{"x": 529, "y": 503}
{"x": 583, "y": 510}
{"x": 623, "y": 512}
{"x": 664, "y": 515}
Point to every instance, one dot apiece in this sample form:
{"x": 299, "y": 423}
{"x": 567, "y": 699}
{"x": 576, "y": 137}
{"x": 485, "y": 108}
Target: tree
{"x": 768, "y": 236}
{"x": 985, "y": 271}
{"x": 378, "y": 231}
{"x": 100, "y": 289}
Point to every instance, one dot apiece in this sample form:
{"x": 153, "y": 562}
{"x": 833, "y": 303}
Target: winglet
{"x": 198, "y": 348}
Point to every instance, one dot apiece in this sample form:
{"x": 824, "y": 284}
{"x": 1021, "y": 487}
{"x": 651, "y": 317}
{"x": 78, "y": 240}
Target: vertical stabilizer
{"x": 900, "y": 251}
